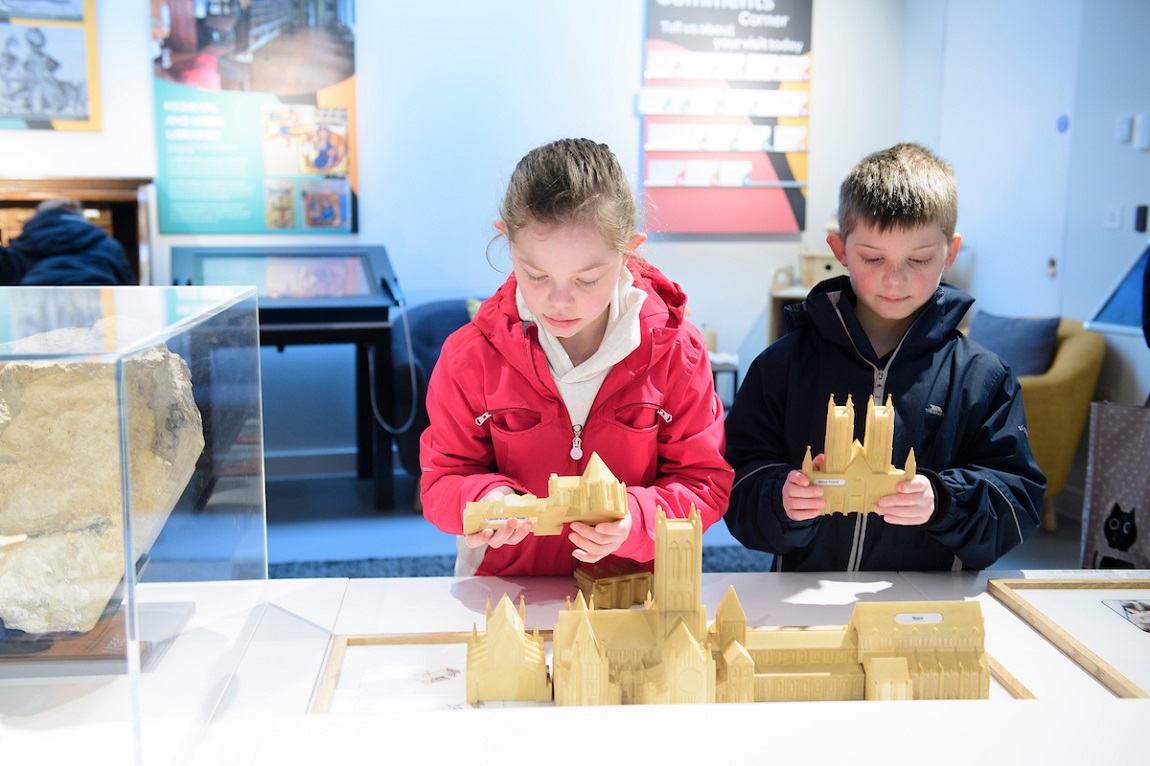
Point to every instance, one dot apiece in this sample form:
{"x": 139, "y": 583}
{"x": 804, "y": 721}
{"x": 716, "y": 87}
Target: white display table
{"x": 263, "y": 717}
{"x": 1066, "y": 722}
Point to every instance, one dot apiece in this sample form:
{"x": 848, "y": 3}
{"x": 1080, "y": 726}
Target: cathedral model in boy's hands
{"x": 592, "y": 498}
{"x": 664, "y": 652}
{"x": 854, "y": 476}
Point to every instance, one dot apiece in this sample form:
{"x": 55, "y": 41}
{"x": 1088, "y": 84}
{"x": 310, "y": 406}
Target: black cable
{"x": 394, "y": 430}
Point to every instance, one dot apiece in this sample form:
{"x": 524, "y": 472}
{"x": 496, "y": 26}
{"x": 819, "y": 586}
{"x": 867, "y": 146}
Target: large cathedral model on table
{"x": 854, "y": 476}
{"x": 665, "y": 651}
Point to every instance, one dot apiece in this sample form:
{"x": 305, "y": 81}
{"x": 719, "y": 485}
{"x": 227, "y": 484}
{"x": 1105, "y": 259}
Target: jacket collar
{"x": 830, "y": 308}
{"x": 661, "y": 317}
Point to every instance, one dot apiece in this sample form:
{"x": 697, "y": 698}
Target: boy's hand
{"x": 801, "y": 500}
{"x": 593, "y": 543}
{"x": 511, "y": 533}
{"x": 912, "y": 503}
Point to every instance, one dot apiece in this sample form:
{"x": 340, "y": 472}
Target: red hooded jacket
{"x": 497, "y": 419}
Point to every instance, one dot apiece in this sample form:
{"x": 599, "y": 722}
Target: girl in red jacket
{"x": 585, "y": 348}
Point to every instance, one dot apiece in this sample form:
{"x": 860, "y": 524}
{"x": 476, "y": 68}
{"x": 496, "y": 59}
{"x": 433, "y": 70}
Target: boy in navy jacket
{"x": 888, "y": 329}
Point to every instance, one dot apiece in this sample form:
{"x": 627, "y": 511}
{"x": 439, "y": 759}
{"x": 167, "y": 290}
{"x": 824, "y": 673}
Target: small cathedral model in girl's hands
{"x": 854, "y": 476}
{"x": 592, "y": 498}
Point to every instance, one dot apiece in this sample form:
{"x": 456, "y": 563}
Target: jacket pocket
{"x": 515, "y": 420}
{"x": 630, "y": 441}
{"x": 517, "y": 434}
{"x": 640, "y": 416}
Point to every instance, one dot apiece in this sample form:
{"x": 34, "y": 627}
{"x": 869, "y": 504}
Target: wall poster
{"x": 49, "y": 73}
{"x": 255, "y": 116}
{"x": 724, "y": 110}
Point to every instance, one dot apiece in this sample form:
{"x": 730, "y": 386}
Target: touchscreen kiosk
{"x": 319, "y": 295}
{"x": 299, "y": 286}
{"x": 1122, "y": 309}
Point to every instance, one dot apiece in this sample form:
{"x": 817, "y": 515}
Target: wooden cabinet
{"x": 117, "y": 205}
{"x": 784, "y": 291}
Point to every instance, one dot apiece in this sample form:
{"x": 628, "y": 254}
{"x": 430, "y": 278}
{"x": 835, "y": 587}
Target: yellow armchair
{"x": 1057, "y": 405}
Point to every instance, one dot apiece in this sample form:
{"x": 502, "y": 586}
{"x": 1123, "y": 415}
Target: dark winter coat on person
{"x": 13, "y": 266}
{"x": 64, "y": 248}
{"x": 956, "y": 404}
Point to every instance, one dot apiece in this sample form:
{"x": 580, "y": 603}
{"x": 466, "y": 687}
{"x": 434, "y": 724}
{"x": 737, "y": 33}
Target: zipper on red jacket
{"x": 483, "y": 418}
{"x": 577, "y": 438}
{"x": 577, "y": 442}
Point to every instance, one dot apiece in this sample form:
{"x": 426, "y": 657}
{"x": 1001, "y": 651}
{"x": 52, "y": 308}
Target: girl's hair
{"x": 900, "y": 187}
{"x": 573, "y": 180}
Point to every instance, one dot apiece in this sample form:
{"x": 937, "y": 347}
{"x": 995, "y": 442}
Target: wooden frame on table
{"x": 325, "y": 691}
{"x": 1007, "y": 591}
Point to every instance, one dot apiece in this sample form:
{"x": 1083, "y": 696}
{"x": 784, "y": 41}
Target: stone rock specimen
{"x": 60, "y": 469}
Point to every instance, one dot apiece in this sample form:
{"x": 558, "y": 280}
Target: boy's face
{"x": 894, "y": 272}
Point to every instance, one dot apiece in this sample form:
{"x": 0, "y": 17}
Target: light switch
{"x": 1141, "y": 131}
{"x": 1112, "y": 217}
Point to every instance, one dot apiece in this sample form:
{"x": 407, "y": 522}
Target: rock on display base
{"x": 60, "y": 470}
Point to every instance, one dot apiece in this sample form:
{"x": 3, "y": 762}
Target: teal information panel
{"x": 255, "y": 118}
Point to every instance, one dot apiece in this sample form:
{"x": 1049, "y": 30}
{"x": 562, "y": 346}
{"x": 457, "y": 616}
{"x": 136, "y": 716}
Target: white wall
{"x": 452, "y": 94}
{"x": 1104, "y": 174}
{"x": 923, "y": 57}
{"x": 1029, "y": 192}
{"x": 1005, "y": 88}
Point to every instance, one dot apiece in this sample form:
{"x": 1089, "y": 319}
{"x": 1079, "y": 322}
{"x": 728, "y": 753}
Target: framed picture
{"x": 1101, "y": 624}
{"x": 49, "y": 69}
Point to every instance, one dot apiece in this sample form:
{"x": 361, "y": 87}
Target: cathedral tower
{"x": 840, "y": 435}
{"x": 678, "y": 572}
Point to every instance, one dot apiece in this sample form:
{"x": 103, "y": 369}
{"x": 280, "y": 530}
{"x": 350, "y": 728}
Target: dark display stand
{"x": 362, "y": 319}
{"x": 372, "y": 346}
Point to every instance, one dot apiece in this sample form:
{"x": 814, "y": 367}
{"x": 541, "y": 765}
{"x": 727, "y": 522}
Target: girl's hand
{"x": 511, "y": 533}
{"x": 593, "y": 543}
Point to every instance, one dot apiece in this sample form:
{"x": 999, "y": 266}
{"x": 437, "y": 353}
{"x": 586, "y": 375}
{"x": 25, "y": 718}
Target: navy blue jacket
{"x": 63, "y": 248}
{"x": 956, "y": 404}
{"x": 13, "y": 266}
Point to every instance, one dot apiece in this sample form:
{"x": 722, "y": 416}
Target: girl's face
{"x": 568, "y": 275}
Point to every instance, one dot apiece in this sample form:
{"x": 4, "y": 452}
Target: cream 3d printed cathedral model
{"x": 594, "y": 497}
{"x": 665, "y": 651}
{"x": 854, "y": 476}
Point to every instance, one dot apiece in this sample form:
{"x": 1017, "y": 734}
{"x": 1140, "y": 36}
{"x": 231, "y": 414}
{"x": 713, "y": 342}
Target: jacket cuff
{"x": 775, "y": 491}
{"x": 640, "y": 543}
{"x": 942, "y": 496}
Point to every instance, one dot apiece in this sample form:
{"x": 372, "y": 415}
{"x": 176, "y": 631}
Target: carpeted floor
{"x": 723, "y": 558}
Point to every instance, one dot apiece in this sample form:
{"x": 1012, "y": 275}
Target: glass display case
{"x": 131, "y": 492}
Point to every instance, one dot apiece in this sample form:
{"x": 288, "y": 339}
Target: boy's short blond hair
{"x": 902, "y": 187}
